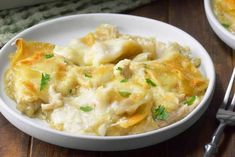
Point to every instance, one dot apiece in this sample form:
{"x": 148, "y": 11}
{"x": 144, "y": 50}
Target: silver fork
{"x": 226, "y": 116}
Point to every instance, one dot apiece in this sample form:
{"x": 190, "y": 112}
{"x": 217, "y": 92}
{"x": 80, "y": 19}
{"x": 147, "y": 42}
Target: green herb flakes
{"x": 225, "y": 25}
{"x": 124, "y": 94}
{"x": 49, "y": 55}
{"x": 44, "y": 80}
{"x": 160, "y": 113}
{"x": 124, "y": 80}
{"x": 86, "y": 108}
{"x": 146, "y": 66}
{"x": 119, "y": 68}
{"x": 87, "y": 75}
{"x": 190, "y": 100}
{"x": 150, "y": 82}
{"x": 66, "y": 62}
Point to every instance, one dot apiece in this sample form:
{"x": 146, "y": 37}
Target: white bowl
{"x": 60, "y": 31}
{"x": 223, "y": 33}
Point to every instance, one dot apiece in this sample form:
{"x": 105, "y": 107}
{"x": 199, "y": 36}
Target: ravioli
{"x": 105, "y": 83}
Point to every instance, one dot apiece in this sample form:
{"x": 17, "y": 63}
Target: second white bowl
{"x": 223, "y": 33}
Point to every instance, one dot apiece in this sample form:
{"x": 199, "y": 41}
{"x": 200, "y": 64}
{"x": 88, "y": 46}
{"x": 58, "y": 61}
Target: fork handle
{"x": 211, "y": 148}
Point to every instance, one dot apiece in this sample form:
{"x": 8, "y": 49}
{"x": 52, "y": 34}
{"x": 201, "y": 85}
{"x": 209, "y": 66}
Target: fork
{"x": 226, "y": 116}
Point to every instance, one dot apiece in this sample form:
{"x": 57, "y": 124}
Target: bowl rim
{"x": 207, "y": 95}
{"x": 214, "y": 20}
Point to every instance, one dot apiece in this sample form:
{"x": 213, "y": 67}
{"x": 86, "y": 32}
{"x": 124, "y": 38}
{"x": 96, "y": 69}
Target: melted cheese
{"x": 100, "y": 52}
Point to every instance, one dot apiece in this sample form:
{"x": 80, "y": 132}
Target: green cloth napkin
{"x": 12, "y": 21}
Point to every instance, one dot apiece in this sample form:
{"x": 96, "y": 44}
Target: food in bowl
{"x": 225, "y": 13}
{"x": 105, "y": 83}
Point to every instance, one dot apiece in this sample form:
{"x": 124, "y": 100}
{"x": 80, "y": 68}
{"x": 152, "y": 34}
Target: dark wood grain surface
{"x": 188, "y": 15}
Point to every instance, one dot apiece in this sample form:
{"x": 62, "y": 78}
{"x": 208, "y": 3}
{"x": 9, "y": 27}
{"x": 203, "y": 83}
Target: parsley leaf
{"x": 44, "y": 80}
{"x": 226, "y": 25}
{"x": 190, "y": 100}
{"x": 86, "y": 108}
{"x": 124, "y": 94}
{"x": 146, "y": 66}
{"x": 124, "y": 80}
{"x": 87, "y": 75}
{"x": 160, "y": 113}
{"x": 49, "y": 55}
{"x": 119, "y": 68}
{"x": 66, "y": 62}
{"x": 150, "y": 82}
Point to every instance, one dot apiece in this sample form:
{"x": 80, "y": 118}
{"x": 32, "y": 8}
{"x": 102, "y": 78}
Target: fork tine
{"x": 231, "y": 106}
{"x": 230, "y": 85}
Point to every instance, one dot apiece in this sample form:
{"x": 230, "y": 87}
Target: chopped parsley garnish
{"x": 119, "y": 68}
{"x": 150, "y": 82}
{"x": 124, "y": 80}
{"x": 87, "y": 75}
{"x": 86, "y": 108}
{"x": 44, "y": 80}
{"x": 70, "y": 91}
{"x": 66, "y": 62}
{"x": 190, "y": 100}
{"x": 49, "y": 55}
{"x": 160, "y": 113}
{"x": 226, "y": 25}
{"x": 124, "y": 94}
{"x": 146, "y": 66}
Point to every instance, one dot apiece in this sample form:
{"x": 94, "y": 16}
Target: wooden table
{"x": 189, "y": 15}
